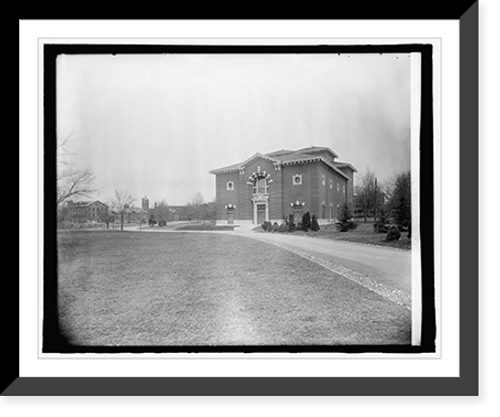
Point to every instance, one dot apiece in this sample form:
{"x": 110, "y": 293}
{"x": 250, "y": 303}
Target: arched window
{"x": 260, "y": 186}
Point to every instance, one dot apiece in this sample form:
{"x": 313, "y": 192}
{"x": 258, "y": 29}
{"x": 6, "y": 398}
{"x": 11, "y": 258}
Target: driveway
{"x": 388, "y": 266}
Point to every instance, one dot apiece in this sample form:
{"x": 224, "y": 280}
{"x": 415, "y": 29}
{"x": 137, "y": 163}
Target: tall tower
{"x": 145, "y": 203}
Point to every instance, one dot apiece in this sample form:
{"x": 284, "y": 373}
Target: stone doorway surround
{"x": 260, "y": 199}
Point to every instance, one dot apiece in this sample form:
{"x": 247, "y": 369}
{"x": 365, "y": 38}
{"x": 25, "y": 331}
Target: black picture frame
{"x": 53, "y": 339}
{"x": 465, "y": 384}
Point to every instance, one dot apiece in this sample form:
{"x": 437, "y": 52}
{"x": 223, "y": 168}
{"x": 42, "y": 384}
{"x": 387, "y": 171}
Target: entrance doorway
{"x": 261, "y": 213}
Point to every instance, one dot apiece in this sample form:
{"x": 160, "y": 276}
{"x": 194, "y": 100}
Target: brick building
{"x": 86, "y": 211}
{"x": 270, "y": 187}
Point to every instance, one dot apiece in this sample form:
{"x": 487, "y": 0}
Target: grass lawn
{"x": 362, "y": 234}
{"x": 205, "y": 227}
{"x": 130, "y": 288}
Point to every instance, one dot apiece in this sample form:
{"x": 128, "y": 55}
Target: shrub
{"x": 381, "y": 226}
{"x": 267, "y": 226}
{"x": 347, "y": 225}
{"x": 345, "y": 221}
{"x": 275, "y": 227}
{"x": 291, "y": 227}
{"x": 283, "y": 227}
{"x": 314, "y": 223}
{"x": 393, "y": 233}
{"x": 306, "y": 222}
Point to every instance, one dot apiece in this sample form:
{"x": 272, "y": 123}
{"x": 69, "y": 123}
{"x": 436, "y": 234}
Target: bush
{"x": 306, "y": 222}
{"x": 346, "y": 226}
{"x": 267, "y": 226}
{"x": 314, "y": 223}
{"x": 382, "y": 225}
{"x": 345, "y": 221}
{"x": 291, "y": 227}
{"x": 283, "y": 227}
{"x": 393, "y": 233}
{"x": 275, "y": 227}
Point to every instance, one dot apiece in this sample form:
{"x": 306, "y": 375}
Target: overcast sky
{"x": 157, "y": 124}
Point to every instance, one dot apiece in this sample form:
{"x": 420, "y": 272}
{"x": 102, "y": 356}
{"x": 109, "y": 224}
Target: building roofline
{"x": 315, "y": 149}
{"x": 316, "y": 159}
{"x": 237, "y": 167}
{"x": 336, "y": 166}
{"x": 344, "y": 165}
{"x": 86, "y": 203}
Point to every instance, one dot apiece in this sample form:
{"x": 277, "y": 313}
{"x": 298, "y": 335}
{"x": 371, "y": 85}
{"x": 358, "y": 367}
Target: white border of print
{"x": 296, "y": 32}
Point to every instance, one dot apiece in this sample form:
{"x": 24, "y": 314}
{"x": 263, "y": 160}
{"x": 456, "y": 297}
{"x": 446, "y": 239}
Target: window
{"x": 331, "y": 184}
{"x": 230, "y": 185}
{"x": 338, "y": 187}
{"x": 323, "y": 180}
{"x": 297, "y": 179}
{"x": 343, "y": 189}
{"x": 260, "y": 186}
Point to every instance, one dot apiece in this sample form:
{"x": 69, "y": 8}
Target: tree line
{"x": 386, "y": 202}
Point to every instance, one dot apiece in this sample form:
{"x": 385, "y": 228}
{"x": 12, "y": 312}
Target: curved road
{"x": 388, "y": 266}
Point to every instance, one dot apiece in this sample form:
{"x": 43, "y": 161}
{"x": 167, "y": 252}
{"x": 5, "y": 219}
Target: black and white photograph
{"x": 239, "y": 198}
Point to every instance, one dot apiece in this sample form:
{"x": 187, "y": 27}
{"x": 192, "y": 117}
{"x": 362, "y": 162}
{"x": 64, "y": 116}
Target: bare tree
{"x": 120, "y": 202}
{"x": 366, "y": 193}
{"x": 71, "y": 181}
{"x": 196, "y": 206}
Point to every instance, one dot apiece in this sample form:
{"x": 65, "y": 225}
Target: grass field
{"x": 129, "y": 288}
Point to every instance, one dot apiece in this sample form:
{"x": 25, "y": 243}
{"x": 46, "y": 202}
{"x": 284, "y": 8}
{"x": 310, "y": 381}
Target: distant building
{"x": 87, "y": 211}
{"x": 270, "y": 187}
{"x": 175, "y": 215}
{"x": 132, "y": 215}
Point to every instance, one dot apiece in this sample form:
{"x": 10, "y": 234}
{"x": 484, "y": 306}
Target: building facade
{"x": 87, "y": 211}
{"x": 270, "y": 187}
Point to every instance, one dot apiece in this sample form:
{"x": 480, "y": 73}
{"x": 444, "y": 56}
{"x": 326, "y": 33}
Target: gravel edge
{"x": 397, "y": 296}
